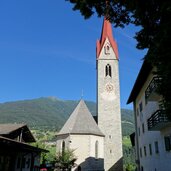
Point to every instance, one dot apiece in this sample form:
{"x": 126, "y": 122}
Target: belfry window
{"x": 96, "y": 149}
{"x": 108, "y": 70}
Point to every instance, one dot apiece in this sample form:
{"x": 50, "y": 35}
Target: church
{"x": 98, "y": 145}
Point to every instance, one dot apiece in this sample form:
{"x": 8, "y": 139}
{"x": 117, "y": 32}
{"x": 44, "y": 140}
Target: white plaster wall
{"x": 84, "y": 150}
{"x": 81, "y": 144}
{"x": 160, "y": 161}
{"x": 60, "y": 139}
{"x": 109, "y": 116}
{"x": 84, "y": 146}
{"x": 93, "y": 139}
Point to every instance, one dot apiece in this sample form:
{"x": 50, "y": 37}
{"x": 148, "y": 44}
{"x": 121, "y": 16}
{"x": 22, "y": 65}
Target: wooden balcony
{"x": 158, "y": 121}
{"x": 151, "y": 93}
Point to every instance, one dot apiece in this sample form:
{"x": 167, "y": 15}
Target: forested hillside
{"x": 49, "y": 113}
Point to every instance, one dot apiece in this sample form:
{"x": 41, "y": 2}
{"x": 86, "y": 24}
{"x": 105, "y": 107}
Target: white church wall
{"x": 100, "y": 140}
{"x": 60, "y": 139}
{"x": 84, "y": 150}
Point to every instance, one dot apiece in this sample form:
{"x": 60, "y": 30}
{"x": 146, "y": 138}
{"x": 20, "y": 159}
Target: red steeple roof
{"x": 106, "y": 33}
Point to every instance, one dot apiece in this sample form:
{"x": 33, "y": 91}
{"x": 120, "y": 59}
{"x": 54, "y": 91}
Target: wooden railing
{"x": 152, "y": 86}
{"x": 159, "y": 117}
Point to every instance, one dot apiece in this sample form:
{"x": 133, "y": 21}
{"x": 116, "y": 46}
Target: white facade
{"x": 84, "y": 146}
{"x": 151, "y": 153}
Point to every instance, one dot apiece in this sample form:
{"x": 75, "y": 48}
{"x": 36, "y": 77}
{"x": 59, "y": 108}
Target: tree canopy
{"x": 66, "y": 159}
{"x": 154, "y": 18}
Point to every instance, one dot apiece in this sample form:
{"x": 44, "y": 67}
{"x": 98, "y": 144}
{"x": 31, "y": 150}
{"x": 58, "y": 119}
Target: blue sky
{"x": 46, "y": 49}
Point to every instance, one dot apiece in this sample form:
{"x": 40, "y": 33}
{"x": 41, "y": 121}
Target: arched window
{"x": 63, "y": 147}
{"x": 107, "y": 49}
{"x": 79, "y": 168}
{"x": 108, "y": 70}
{"x": 96, "y": 149}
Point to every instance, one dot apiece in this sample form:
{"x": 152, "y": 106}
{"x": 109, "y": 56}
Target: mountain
{"x": 51, "y": 113}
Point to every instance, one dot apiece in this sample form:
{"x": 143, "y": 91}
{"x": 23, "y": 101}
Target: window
{"x": 156, "y": 147}
{"x": 107, "y": 49}
{"x": 145, "y": 152}
{"x": 79, "y": 168}
{"x": 141, "y": 107}
{"x": 167, "y": 141}
{"x": 140, "y": 152}
{"x": 142, "y": 169}
{"x": 143, "y": 130}
{"x": 63, "y": 147}
{"x": 108, "y": 70}
{"x": 140, "y": 111}
{"x": 150, "y": 149}
{"x": 146, "y": 101}
{"x": 96, "y": 149}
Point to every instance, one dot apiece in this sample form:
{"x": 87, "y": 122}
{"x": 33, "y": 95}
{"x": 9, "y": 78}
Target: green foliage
{"x": 129, "y": 155}
{"x": 41, "y": 113}
{"x": 127, "y": 122}
{"x": 130, "y": 167}
{"x": 44, "y": 135}
{"x": 48, "y": 157}
{"x": 65, "y": 159}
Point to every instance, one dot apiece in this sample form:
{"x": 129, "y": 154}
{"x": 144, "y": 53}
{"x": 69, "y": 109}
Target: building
{"x": 82, "y": 134}
{"x": 108, "y": 98}
{"x": 15, "y": 152}
{"x": 152, "y": 126}
{"x": 98, "y": 145}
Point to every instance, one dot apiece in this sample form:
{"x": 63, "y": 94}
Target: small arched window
{"x": 79, "y": 168}
{"x": 96, "y": 149}
{"x": 107, "y": 49}
{"x": 63, "y": 147}
{"x": 108, "y": 70}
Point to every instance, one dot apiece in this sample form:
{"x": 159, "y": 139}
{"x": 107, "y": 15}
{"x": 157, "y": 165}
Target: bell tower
{"x": 108, "y": 98}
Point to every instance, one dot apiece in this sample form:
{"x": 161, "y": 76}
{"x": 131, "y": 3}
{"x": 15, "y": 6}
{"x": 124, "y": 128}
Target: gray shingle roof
{"x": 80, "y": 121}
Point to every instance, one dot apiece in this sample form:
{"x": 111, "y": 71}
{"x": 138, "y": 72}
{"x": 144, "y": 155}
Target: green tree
{"x": 130, "y": 167}
{"x": 65, "y": 160}
{"x": 46, "y": 157}
{"x": 154, "y": 18}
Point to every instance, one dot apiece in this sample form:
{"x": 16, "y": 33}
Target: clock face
{"x": 109, "y": 92}
{"x": 109, "y": 88}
